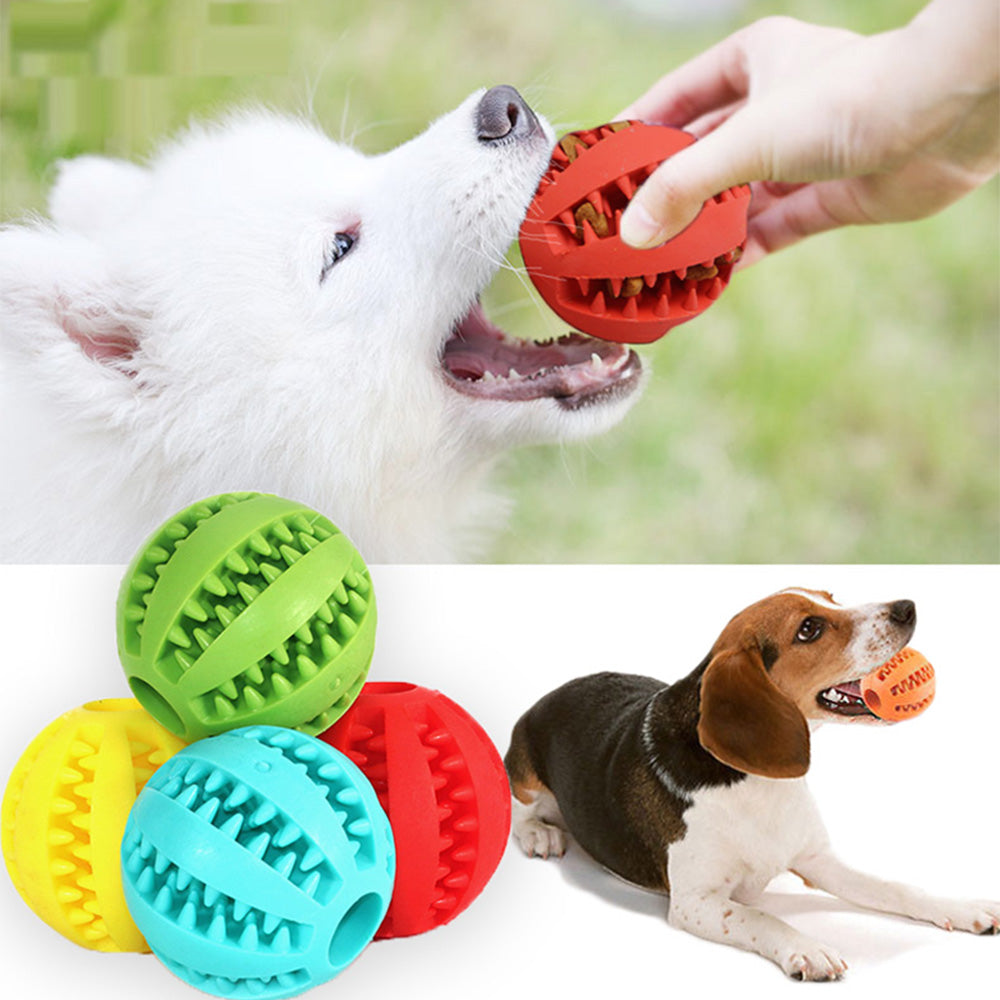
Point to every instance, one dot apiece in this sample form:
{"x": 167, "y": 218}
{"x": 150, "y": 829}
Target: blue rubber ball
{"x": 257, "y": 863}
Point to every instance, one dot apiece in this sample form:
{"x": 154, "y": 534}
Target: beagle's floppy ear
{"x": 746, "y": 722}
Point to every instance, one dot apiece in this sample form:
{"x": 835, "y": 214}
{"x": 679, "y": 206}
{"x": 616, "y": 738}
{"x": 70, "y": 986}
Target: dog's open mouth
{"x": 844, "y": 699}
{"x": 482, "y": 360}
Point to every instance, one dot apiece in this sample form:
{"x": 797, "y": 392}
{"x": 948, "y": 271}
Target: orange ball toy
{"x": 901, "y": 688}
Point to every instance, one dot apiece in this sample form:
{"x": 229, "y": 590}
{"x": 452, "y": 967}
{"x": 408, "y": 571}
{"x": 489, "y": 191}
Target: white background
{"x": 918, "y": 801}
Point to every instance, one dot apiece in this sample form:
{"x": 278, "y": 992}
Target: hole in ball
{"x": 355, "y": 930}
{"x": 873, "y": 701}
{"x": 388, "y": 687}
{"x": 154, "y": 703}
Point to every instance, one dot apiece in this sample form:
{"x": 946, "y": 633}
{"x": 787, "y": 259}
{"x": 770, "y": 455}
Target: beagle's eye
{"x": 336, "y": 252}
{"x": 810, "y": 630}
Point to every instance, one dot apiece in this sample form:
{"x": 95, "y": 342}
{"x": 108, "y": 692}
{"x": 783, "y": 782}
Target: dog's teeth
{"x": 596, "y": 363}
{"x": 514, "y": 373}
{"x": 489, "y": 377}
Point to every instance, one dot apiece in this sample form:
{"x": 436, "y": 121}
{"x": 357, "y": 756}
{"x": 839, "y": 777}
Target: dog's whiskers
{"x": 522, "y": 273}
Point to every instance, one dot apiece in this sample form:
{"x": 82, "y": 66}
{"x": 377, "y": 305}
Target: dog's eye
{"x": 810, "y": 630}
{"x": 337, "y": 251}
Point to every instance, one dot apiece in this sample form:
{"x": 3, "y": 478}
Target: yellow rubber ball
{"x": 64, "y": 813}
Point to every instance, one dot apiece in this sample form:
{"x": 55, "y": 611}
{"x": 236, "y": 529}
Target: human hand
{"x": 831, "y": 128}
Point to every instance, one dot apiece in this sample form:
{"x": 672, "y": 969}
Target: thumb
{"x": 673, "y": 195}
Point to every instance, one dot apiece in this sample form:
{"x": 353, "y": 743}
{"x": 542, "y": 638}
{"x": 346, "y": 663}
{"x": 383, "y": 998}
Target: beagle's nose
{"x": 503, "y": 114}
{"x": 903, "y": 612}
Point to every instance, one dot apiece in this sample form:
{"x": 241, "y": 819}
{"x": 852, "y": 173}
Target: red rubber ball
{"x": 443, "y": 786}
{"x": 580, "y": 266}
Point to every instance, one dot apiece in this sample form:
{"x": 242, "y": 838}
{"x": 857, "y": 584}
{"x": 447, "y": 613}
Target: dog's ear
{"x": 62, "y": 308}
{"x": 746, "y": 722}
{"x": 91, "y": 193}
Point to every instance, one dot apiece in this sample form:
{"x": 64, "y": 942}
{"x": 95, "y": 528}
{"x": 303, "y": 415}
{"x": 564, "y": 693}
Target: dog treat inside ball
{"x": 587, "y": 275}
{"x": 64, "y": 811}
{"x": 442, "y": 783}
{"x": 246, "y": 608}
{"x": 257, "y": 863}
{"x": 901, "y": 688}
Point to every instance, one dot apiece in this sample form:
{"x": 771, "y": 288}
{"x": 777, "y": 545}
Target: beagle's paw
{"x": 815, "y": 964}
{"x": 539, "y": 839}
{"x": 977, "y": 916}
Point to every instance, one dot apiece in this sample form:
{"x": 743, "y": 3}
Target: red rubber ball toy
{"x": 587, "y": 275}
{"x": 443, "y": 786}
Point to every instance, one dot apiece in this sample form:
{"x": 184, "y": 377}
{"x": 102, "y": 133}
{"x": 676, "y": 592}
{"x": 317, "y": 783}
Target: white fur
{"x": 241, "y": 370}
{"x": 739, "y": 838}
{"x": 538, "y": 826}
{"x": 813, "y": 596}
{"x": 873, "y": 640}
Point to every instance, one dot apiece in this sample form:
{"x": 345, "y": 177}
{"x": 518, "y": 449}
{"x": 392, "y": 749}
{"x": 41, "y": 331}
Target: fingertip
{"x": 640, "y": 229}
{"x": 657, "y": 213}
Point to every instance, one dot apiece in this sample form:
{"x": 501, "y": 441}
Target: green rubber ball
{"x": 246, "y": 609}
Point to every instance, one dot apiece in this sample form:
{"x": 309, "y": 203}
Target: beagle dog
{"x": 697, "y": 788}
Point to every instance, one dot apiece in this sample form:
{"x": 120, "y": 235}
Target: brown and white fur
{"x": 698, "y": 788}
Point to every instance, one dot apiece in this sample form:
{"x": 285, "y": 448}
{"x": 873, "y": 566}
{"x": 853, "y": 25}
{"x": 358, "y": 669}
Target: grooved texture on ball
{"x": 442, "y": 783}
{"x": 258, "y": 863}
{"x": 64, "y": 811}
{"x": 902, "y": 688}
{"x": 580, "y": 266}
{"x": 246, "y": 608}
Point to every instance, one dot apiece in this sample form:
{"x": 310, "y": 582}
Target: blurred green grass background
{"x": 839, "y": 404}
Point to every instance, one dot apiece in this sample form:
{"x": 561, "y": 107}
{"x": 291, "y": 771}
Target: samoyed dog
{"x": 262, "y": 308}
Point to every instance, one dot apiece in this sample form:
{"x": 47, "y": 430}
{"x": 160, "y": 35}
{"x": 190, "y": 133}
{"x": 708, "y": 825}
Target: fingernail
{"x": 639, "y": 229}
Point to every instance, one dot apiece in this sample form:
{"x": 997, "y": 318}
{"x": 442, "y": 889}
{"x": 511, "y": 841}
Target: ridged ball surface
{"x": 258, "y": 863}
{"x": 902, "y": 688}
{"x": 583, "y": 270}
{"x": 442, "y": 783}
{"x": 64, "y": 811}
{"x": 246, "y": 609}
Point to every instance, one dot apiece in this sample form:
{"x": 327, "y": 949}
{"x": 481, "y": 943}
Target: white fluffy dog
{"x": 263, "y": 308}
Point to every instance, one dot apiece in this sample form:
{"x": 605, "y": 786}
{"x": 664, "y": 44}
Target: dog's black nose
{"x": 503, "y": 114}
{"x": 903, "y": 612}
